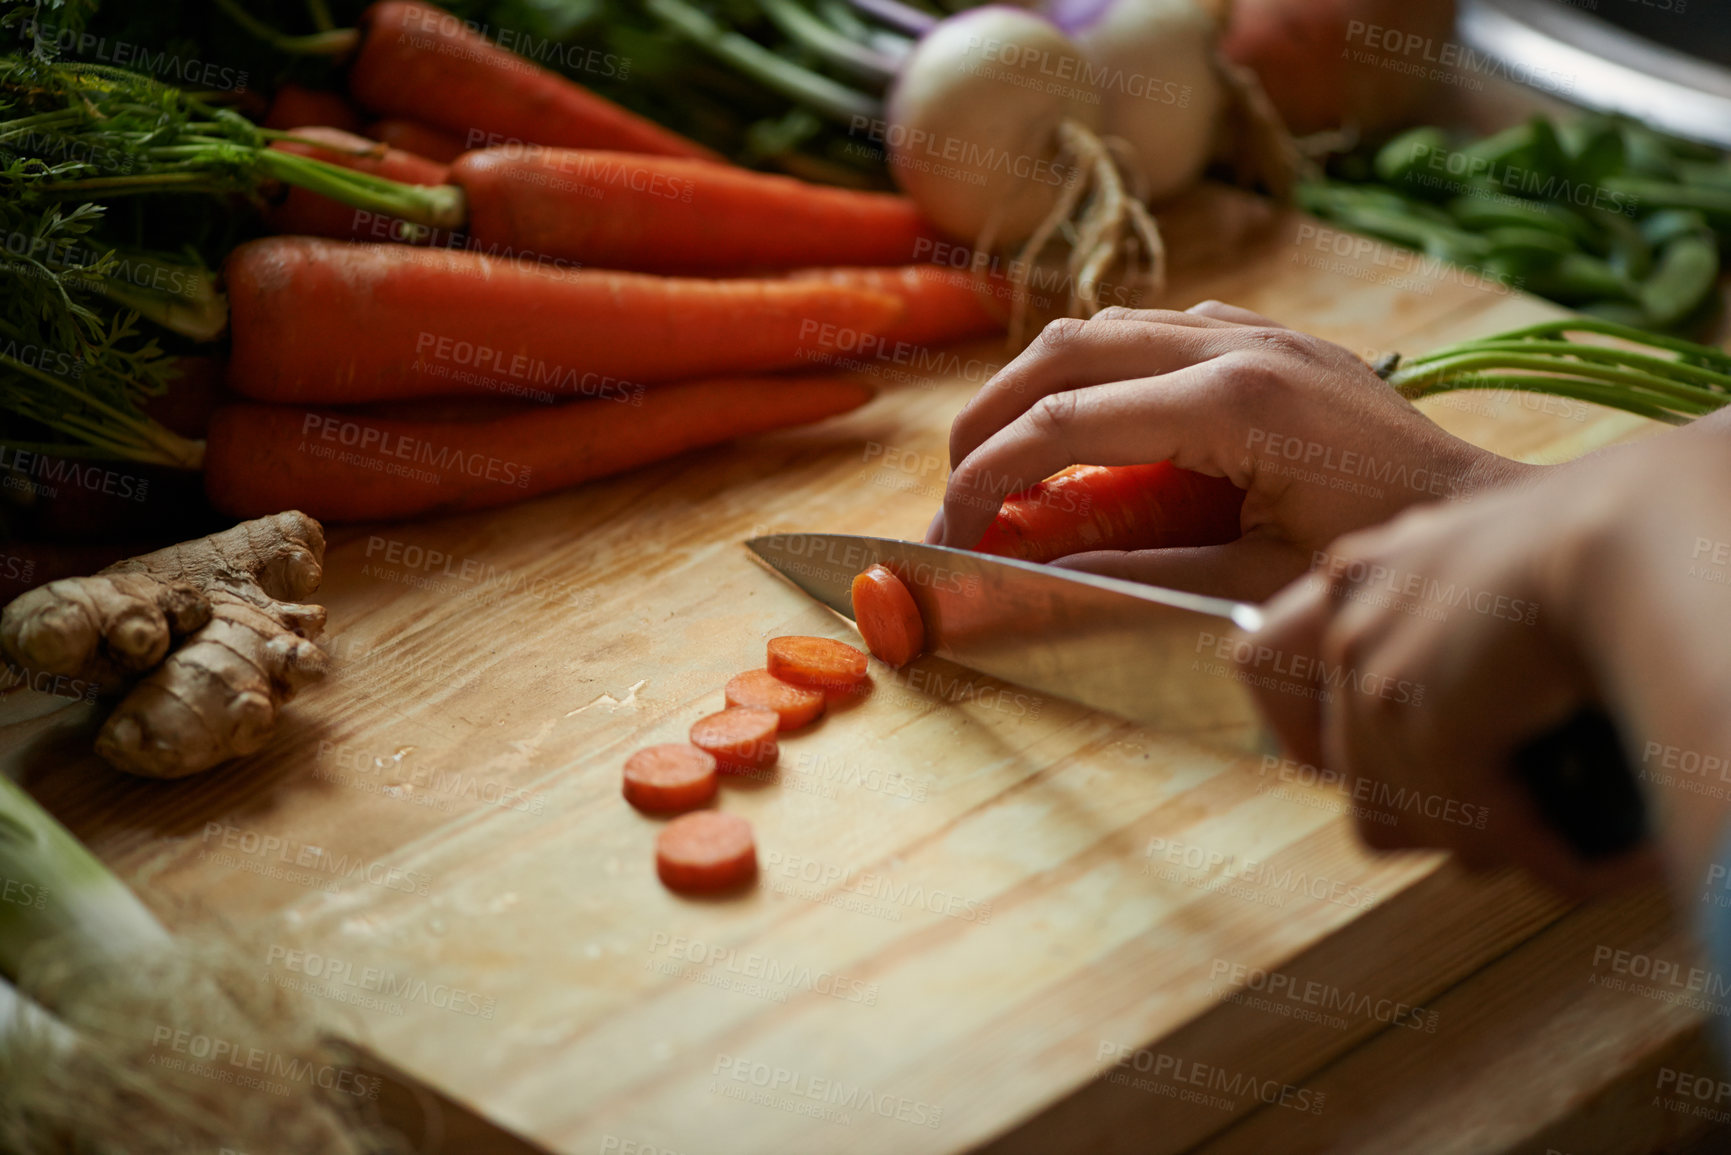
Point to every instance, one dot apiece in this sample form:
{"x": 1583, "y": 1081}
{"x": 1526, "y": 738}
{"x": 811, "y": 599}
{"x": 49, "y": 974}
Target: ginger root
{"x": 206, "y": 638}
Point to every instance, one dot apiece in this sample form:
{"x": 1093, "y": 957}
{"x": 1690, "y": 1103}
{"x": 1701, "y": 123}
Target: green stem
{"x": 437, "y": 206}
{"x": 84, "y": 908}
{"x": 806, "y": 30}
{"x": 836, "y": 101}
{"x": 335, "y": 43}
{"x": 1470, "y": 362}
{"x": 155, "y": 445}
{"x": 1611, "y": 398}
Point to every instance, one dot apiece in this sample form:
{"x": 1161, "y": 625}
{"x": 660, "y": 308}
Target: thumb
{"x": 1250, "y": 569}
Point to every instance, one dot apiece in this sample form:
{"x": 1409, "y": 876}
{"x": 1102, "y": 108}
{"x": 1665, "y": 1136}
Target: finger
{"x": 1251, "y": 569}
{"x": 1072, "y": 354}
{"x": 1221, "y": 311}
{"x": 1293, "y": 623}
{"x": 1176, "y": 418}
{"x": 935, "y": 531}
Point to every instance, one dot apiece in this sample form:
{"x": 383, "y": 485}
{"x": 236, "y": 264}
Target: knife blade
{"x": 1137, "y": 651}
{"x": 1156, "y": 656}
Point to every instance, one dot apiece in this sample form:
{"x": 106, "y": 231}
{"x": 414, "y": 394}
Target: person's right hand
{"x": 1322, "y": 445}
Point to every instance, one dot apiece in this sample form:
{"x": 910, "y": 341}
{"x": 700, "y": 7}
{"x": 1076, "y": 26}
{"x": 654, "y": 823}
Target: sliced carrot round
{"x": 675, "y": 776}
{"x": 705, "y": 850}
{"x": 887, "y": 617}
{"x": 796, "y": 705}
{"x": 740, "y": 737}
{"x": 822, "y": 663}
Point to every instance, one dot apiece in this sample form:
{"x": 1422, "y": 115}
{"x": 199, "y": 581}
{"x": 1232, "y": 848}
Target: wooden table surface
{"x": 974, "y": 901}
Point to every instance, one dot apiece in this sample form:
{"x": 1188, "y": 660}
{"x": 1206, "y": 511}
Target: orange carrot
{"x": 670, "y": 214}
{"x": 822, "y": 663}
{"x": 1094, "y": 507}
{"x": 795, "y": 705}
{"x": 295, "y": 105}
{"x": 674, "y": 776}
{"x": 340, "y": 466}
{"x": 705, "y": 850}
{"x": 306, "y": 212}
{"x": 422, "y": 62}
{"x": 739, "y": 737}
{"x": 887, "y": 617}
{"x": 420, "y": 139}
{"x": 321, "y": 321}
{"x": 939, "y": 305}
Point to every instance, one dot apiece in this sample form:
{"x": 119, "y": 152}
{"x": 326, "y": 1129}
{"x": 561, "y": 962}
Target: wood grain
{"x": 967, "y": 908}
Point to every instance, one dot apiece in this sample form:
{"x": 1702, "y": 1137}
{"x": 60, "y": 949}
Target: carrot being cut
{"x": 940, "y": 305}
{"x": 739, "y": 737}
{"x": 796, "y": 706}
{"x": 887, "y": 617}
{"x": 343, "y": 466}
{"x": 1126, "y": 507}
{"x": 670, "y": 214}
{"x": 295, "y": 105}
{"x": 674, "y": 776}
{"x": 306, "y": 212}
{"x": 420, "y": 139}
{"x": 821, "y": 663}
{"x": 321, "y": 321}
{"x": 705, "y": 850}
{"x": 421, "y": 62}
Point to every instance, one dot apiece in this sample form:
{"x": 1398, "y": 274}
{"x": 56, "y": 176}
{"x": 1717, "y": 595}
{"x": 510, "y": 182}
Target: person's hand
{"x": 1322, "y": 445}
{"x": 1497, "y": 620}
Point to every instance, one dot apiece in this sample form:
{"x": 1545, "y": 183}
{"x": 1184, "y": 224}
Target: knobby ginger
{"x": 206, "y": 640}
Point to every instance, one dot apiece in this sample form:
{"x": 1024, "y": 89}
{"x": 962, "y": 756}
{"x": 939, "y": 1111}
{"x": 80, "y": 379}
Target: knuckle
{"x": 1123, "y": 313}
{"x": 1252, "y": 381}
{"x": 1052, "y": 414}
{"x": 1061, "y": 333}
{"x": 1282, "y": 342}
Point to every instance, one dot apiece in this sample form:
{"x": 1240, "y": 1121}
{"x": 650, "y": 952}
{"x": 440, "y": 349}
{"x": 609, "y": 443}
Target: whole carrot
{"x": 343, "y": 466}
{"x": 295, "y": 105}
{"x": 421, "y": 62}
{"x": 669, "y": 214}
{"x": 306, "y": 212}
{"x": 420, "y": 139}
{"x": 1127, "y": 507}
{"x": 939, "y": 305}
{"x": 322, "y": 321}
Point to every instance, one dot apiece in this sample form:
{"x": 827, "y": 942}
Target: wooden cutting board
{"x": 978, "y": 907}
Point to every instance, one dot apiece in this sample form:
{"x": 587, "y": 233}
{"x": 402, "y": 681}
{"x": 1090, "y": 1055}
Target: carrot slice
{"x": 705, "y": 850}
{"x": 823, "y": 663}
{"x": 740, "y": 737}
{"x": 887, "y": 617}
{"x": 674, "y": 776}
{"x": 796, "y": 705}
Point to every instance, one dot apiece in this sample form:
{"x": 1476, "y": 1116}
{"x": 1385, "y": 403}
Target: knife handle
{"x": 1584, "y": 788}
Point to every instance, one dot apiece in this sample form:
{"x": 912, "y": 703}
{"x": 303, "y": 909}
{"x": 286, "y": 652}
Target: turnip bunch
{"x": 1026, "y": 130}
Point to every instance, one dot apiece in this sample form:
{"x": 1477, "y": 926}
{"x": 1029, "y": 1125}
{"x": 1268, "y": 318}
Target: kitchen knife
{"x": 1162, "y": 658}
